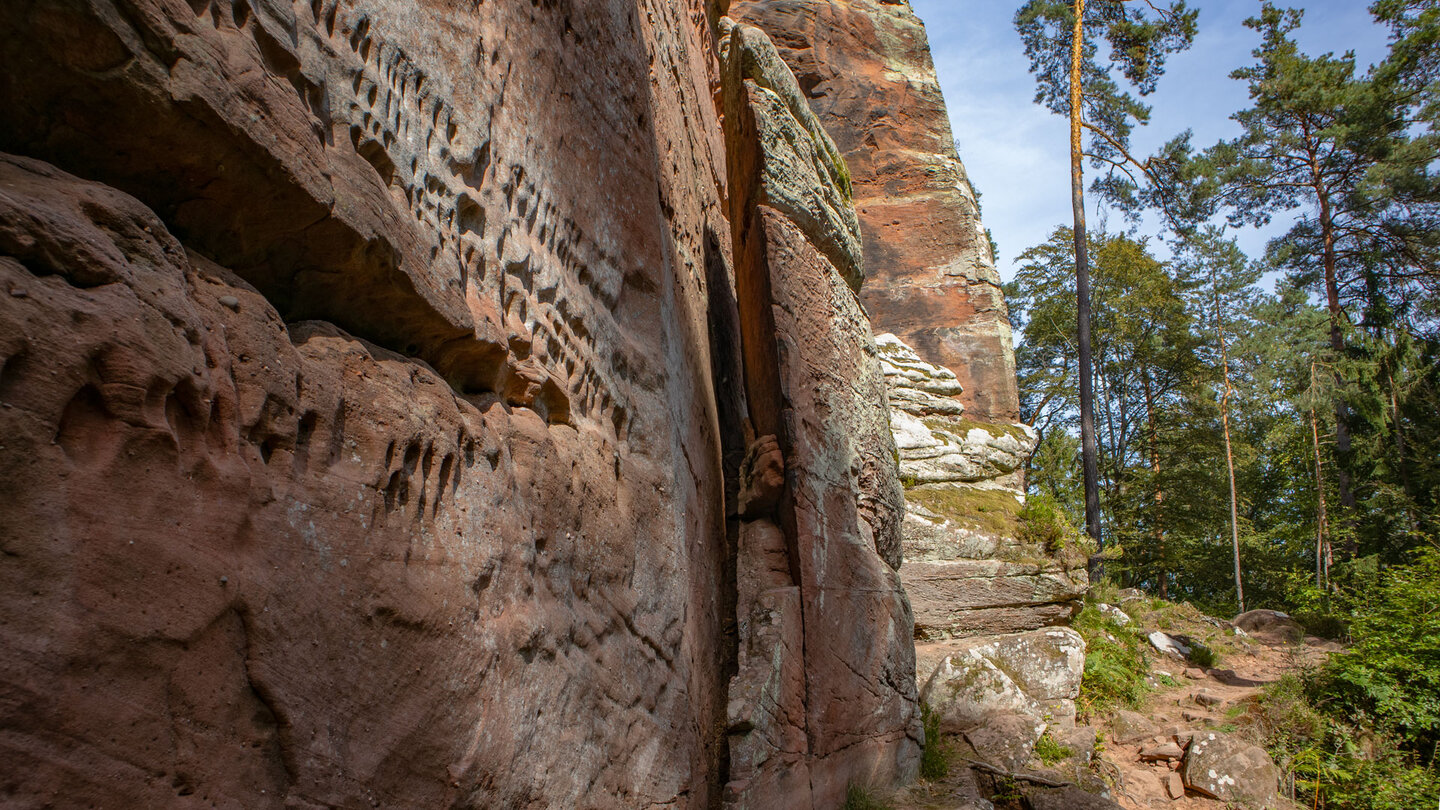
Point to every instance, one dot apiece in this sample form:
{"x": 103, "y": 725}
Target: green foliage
{"x": 1361, "y": 732}
{"x": 858, "y": 798}
{"x": 1049, "y": 751}
{"x": 1315, "y": 608}
{"x": 1333, "y": 401}
{"x": 1203, "y": 656}
{"x": 1042, "y": 523}
{"x": 1390, "y": 676}
{"x": 1116, "y": 664}
{"x": 1139, "y": 36}
{"x": 935, "y": 758}
{"x": 1349, "y": 155}
{"x": 1007, "y": 792}
{"x": 1335, "y": 762}
{"x": 1104, "y": 591}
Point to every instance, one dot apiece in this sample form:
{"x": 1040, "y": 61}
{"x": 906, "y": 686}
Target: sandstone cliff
{"x": 866, "y": 69}
{"x": 972, "y": 567}
{"x": 376, "y": 385}
{"x": 983, "y": 589}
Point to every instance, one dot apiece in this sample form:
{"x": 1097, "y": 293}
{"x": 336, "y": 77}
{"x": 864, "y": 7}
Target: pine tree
{"x": 1337, "y": 149}
{"x": 1060, "y": 40}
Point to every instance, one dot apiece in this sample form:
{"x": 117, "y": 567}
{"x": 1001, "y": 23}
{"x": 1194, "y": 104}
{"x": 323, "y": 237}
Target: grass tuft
{"x": 935, "y": 758}
{"x": 1042, "y": 523}
{"x": 1049, "y": 751}
{"x": 858, "y": 798}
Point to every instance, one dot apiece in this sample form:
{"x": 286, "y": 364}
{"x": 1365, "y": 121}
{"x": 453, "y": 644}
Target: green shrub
{"x": 1285, "y": 719}
{"x": 1042, "y": 523}
{"x": 1203, "y": 656}
{"x": 1334, "y": 764}
{"x": 1389, "y": 781}
{"x": 1116, "y": 666}
{"x": 935, "y": 758}
{"x": 1390, "y": 676}
{"x": 1049, "y": 751}
{"x": 1314, "y": 608}
{"x": 1361, "y": 732}
{"x": 1105, "y": 591}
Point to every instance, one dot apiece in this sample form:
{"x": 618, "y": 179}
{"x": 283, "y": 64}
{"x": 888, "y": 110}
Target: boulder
{"x": 1161, "y": 752}
{"x": 1035, "y": 675}
{"x": 1115, "y": 614}
{"x": 1270, "y": 625}
{"x": 1169, "y": 645}
{"x": 965, "y": 691}
{"x": 1225, "y": 768}
{"x": 1128, "y": 727}
{"x": 1206, "y": 699}
{"x": 1080, "y": 740}
{"x": 1004, "y": 739}
{"x": 1174, "y": 785}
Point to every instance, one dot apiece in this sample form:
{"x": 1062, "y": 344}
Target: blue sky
{"x": 1017, "y": 153}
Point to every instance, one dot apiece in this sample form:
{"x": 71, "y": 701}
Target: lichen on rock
{"x": 803, "y": 174}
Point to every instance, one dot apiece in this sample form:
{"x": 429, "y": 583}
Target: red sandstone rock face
{"x": 823, "y": 698}
{"x": 266, "y": 564}
{"x": 399, "y": 484}
{"x": 371, "y": 415}
{"x": 865, "y": 66}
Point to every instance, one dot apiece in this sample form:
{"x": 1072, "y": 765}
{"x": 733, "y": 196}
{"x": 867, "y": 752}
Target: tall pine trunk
{"x": 1337, "y": 346}
{"x": 1322, "y": 525}
{"x": 1088, "y": 453}
{"x": 1158, "y": 531}
{"x": 1229, "y": 454}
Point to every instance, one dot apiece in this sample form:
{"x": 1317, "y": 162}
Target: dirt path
{"x": 1186, "y": 698}
{"x": 1210, "y": 700}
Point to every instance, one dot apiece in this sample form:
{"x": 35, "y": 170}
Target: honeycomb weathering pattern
{"x": 369, "y": 408}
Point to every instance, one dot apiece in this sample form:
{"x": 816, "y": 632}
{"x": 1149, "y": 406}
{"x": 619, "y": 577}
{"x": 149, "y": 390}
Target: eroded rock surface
{"x": 1034, "y": 676}
{"x": 931, "y": 288}
{"x": 937, "y": 443}
{"x": 813, "y": 381}
{"x": 975, "y": 572}
{"x": 268, "y": 564}
{"x": 970, "y": 568}
{"x": 374, "y": 379}
{"x": 865, "y": 67}
{"x": 1231, "y": 770}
